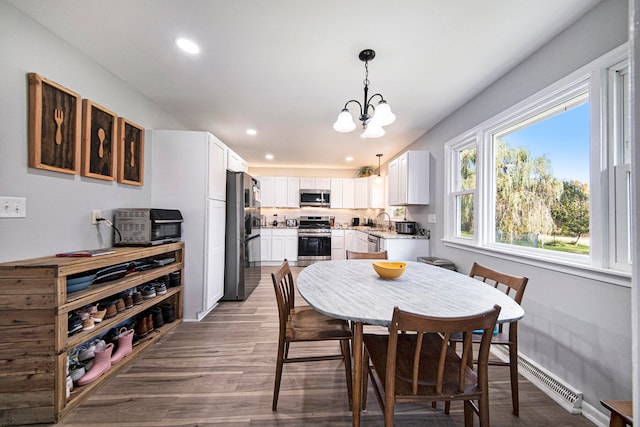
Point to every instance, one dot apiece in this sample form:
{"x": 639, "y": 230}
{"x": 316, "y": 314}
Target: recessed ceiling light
{"x": 251, "y": 132}
{"x": 187, "y": 45}
{"x": 349, "y": 159}
{"x": 268, "y": 156}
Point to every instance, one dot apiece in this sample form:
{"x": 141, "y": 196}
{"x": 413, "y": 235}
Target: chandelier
{"x": 372, "y": 118}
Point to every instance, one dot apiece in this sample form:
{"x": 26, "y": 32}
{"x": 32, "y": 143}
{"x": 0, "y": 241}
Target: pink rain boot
{"x": 101, "y": 364}
{"x": 125, "y": 341}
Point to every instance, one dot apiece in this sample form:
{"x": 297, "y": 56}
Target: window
{"x": 529, "y": 183}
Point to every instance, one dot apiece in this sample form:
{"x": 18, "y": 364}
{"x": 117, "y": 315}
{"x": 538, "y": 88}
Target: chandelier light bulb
{"x": 345, "y": 122}
{"x": 374, "y": 130}
{"x": 383, "y": 115}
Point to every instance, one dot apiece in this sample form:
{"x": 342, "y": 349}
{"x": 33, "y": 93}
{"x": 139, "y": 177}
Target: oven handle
{"x": 313, "y": 235}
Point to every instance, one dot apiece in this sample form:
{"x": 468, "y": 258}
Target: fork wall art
{"x": 54, "y": 126}
{"x": 99, "y": 147}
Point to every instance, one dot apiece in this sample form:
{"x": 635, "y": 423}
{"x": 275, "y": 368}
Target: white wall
{"x": 59, "y": 205}
{"x": 577, "y": 328}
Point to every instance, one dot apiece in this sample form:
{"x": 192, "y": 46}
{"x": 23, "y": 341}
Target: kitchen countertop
{"x": 374, "y": 231}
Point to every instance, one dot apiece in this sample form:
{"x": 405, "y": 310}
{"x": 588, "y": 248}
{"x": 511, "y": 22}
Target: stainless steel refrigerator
{"x": 242, "y": 253}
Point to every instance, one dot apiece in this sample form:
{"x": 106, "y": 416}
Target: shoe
{"x": 149, "y": 319}
{"x": 101, "y": 364}
{"x": 99, "y": 315}
{"x": 156, "y": 316}
{"x": 161, "y": 289}
{"x": 128, "y": 301}
{"x": 74, "y": 324}
{"x": 87, "y": 352}
{"x": 141, "y": 327}
{"x": 120, "y": 306}
{"x": 168, "y": 312}
{"x": 174, "y": 279}
{"x": 148, "y": 292}
{"x": 125, "y": 342}
{"x": 110, "y": 306}
{"x": 88, "y": 324}
{"x": 76, "y": 372}
{"x": 137, "y": 297}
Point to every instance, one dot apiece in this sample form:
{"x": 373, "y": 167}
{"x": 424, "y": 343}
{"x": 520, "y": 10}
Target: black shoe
{"x": 168, "y": 312}
{"x": 156, "y": 315}
{"x": 74, "y": 324}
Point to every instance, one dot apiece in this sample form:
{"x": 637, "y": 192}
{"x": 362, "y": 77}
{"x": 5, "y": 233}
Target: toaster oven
{"x": 146, "y": 226}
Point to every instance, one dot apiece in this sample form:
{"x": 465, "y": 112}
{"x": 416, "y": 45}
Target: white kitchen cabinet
{"x": 195, "y": 158}
{"x": 265, "y": 244}
{"x": 279, "y": 192}
{"x": 376, "y": 193}
{"x": 409, "y": 178}
{"x": 236, "y": 163}
{"x": 336, "y": 193}
{"x": 350, "y": 240}
{"x": 284, "y": 244}
{"x": 337, "y": 244}
{"x": 348, "y": 193}
{"x": 362, "y": 241}
{"x": 293, "y": 192}
{"x": 217, "y": 183}
{"x": 361, "y": 193}
{"x": 267, "y": 191}
{"x": 405, "y": 249}
{"x": 281, "y": 195}
{"x": 315, "y": 183}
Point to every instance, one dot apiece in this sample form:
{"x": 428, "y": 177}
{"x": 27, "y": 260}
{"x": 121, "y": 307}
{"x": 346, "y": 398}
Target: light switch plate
{"x": 13, "y": 207}
{"x": 431, "y": 218}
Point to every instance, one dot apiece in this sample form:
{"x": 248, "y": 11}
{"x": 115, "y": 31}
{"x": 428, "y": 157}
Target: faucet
{"x": 388, "y": 216}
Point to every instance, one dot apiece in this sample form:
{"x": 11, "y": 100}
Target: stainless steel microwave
{"x": 316, "y": 198}
{"x": 145, "y": 226}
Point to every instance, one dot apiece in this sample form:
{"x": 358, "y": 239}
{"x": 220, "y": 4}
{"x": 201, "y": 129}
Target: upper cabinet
{"x": 315, "y": 183}
{"x": 217, "y": 186}
{"x": 236, "y": 163}
{"x": 279, "y": 192}
{"x": 408, "y": 179}
{"x": 357, "y": 193}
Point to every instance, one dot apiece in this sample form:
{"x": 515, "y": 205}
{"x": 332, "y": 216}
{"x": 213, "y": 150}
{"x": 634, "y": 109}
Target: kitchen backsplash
{"x": 342, "y": 216}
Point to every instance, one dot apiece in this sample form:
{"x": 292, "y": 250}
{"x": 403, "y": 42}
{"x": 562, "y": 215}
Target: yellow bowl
{"x": 389, "y": 270}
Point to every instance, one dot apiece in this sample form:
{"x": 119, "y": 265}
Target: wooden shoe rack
{"x": 34, "y": 308}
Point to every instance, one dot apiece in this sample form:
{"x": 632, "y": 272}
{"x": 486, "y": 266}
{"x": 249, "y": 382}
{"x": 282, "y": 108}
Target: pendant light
{"x": 379, "y": 179}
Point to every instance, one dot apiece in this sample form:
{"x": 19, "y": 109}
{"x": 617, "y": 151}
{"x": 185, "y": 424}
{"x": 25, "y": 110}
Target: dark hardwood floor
{"x": 220, "y": 372}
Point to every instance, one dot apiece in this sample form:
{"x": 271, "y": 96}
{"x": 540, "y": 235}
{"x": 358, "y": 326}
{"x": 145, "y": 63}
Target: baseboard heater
{"x": 564, "y": 394}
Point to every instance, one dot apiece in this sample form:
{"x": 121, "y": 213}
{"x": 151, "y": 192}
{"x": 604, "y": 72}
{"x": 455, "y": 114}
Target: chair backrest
{"x": 501, "y": 281}
{"x": 284, "y": 287}
{"x": 366, "y": 255}
{"x": 437, "y": 330}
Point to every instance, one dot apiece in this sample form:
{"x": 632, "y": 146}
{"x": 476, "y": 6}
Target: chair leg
{"x": 483, "y": 409}
{"x": 447, "y": 407}
{"x": 513, "y": 368}
{"x": 279, "y": 365}
{"x": 346, "y": 357}
{"x": 468, "y": 414}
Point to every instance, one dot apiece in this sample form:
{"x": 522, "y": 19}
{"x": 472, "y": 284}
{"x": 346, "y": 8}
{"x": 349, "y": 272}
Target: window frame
{"x": 594, "y": 78}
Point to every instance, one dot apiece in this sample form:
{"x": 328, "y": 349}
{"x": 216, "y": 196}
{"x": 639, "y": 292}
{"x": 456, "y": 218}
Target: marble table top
{"x": 352, "y": 290}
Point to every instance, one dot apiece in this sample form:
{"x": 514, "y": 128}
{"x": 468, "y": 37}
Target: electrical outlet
{"x": 95, "y": 214}
{"x": 431, "y": 218}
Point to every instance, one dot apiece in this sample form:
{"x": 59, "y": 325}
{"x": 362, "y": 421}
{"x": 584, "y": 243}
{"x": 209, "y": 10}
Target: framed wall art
{"x": 130, "y": 152}
{"x": 54, "y": 126}
{"x": 99, "y": 127}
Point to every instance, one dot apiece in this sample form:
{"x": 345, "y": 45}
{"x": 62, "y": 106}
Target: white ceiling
{"x": 286, "y": 67}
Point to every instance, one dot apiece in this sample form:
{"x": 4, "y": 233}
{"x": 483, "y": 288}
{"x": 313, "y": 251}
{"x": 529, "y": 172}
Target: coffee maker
{"x": 355, "y": 221}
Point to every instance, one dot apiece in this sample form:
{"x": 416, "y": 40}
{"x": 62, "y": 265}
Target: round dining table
{"x": 352, "y": 290}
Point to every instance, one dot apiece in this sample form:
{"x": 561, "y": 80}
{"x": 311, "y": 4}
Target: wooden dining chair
{"x": 420, "y": 365}
{"x": 299, "y": 324}
{"x": 507, "y": 334}
{"x": 366, "y": 255}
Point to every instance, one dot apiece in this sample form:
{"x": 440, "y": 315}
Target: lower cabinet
{"x": 277, "y": 244}
{"x": 137, "y": 293}
{"x": 338, "y": 250}
{"x": 405, "y": 249}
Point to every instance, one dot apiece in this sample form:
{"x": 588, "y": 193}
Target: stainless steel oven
{"x": 314, "y": 239}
